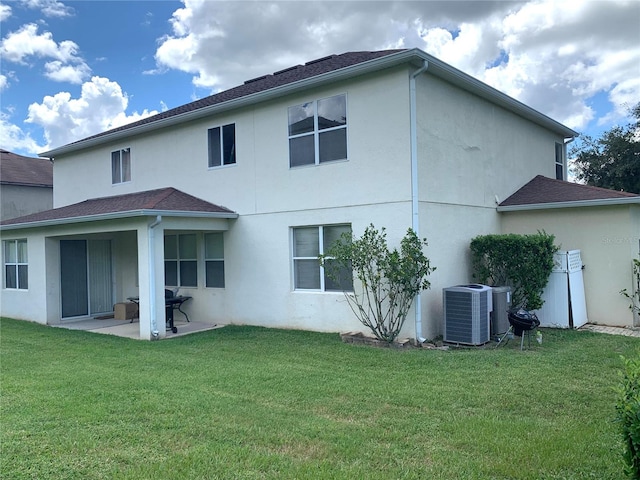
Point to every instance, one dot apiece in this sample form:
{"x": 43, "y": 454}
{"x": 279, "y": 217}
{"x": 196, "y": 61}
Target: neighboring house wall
{"x": 19, "y": 200}
{"x": 608, "y": 238}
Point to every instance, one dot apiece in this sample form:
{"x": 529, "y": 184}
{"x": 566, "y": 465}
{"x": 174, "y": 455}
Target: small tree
{"x": 524, "y": 262}
{"x": 612, "y": 160}
{"x": 389, "y": 280}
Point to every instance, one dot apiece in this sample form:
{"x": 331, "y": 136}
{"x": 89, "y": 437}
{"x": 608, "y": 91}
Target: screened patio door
{"x": 86, "y": 279}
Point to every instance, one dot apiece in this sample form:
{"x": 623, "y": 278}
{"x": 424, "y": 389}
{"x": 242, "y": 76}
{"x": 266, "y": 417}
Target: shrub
{"x": 634, "y": 297}
{"x": 389, "y": 279}
{"x": 523, "y": 262}
{"x": 628, "y": 414}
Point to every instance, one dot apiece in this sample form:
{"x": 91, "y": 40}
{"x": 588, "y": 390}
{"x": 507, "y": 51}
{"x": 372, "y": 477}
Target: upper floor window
{"x": 308, "y": 274}
{"x": 318, "y": 131}
{"x": 121, "y": 166}
{"x": 16, "y": 269}
{"x": 559, "y": 161}
{"x": 222, "y": 145}
{"x": 214, "y": 259}
{"x": 180, "y": 260}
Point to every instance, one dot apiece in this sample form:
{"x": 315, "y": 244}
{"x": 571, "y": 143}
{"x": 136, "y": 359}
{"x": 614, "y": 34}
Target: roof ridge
{"x": 162, "y": 194}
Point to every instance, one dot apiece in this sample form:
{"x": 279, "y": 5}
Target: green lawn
{"x": 245, "y": 403}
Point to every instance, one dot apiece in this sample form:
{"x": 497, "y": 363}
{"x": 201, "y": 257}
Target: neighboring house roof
{"x": 163, "y": 201}
{"x": 323, "y": 70}
{"x": 543, "y": 192}
{"x": 25, "y": 171}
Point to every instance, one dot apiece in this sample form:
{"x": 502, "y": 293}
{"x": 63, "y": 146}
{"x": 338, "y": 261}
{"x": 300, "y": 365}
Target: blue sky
{"x": 70, "y": 69}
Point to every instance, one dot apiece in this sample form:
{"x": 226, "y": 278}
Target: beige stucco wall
{"x": 608, "y": 239}
{"x": 19, "y": 200}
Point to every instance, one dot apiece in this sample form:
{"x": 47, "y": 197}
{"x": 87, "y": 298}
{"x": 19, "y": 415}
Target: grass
{"x": 255, "y": 403}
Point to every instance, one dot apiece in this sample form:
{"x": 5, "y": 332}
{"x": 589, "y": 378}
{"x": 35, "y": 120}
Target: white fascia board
{"x": 116, "y": 216}
{"x": 416, "y": 56}
{"x": 604, "y": 202}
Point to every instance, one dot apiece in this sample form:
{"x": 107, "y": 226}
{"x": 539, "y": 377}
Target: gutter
{"x": 415, "y": 214}
{"x": 602, "y": 202}
{"x": 117, "y": 215}
{"x": 152, "y": 277}
{"x": 437, "y": 68}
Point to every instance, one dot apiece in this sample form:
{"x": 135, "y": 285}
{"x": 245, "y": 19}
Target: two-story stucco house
{"x": 231, "y": 198}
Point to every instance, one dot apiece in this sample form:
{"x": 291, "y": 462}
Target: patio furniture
{"x": 171, "y": 302}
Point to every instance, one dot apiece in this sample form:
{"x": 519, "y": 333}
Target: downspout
{"x": 415, "y": 217}
{"x": 152, "y": 276}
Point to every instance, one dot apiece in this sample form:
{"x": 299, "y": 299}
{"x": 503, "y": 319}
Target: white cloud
{"x": 4, "y": 82}
{"x": 101, "y": 106}
{"x": 26, "y": 43}
{"x": 544, "y": 54}
{"x": 49, "y": 8}
{"x": 59, "y": 72}
{"x": 5, "y": 12}
{"x": 13, "y": 138}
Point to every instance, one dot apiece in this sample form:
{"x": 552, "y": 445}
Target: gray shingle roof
{"x": 289, "y": 75}
{"x": 160, "y": 200}
{"x": 543, "y": 190}
{"x": 26, "y": 171}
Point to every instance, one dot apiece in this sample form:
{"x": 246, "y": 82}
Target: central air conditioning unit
{"x": 467, "y": 310}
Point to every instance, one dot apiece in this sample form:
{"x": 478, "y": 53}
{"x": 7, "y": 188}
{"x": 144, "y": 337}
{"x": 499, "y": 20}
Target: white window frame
{"x": 13, "y": 244}
{"x": 317, "y": 132}
{"x": 321, "y": 250}
{"x": 124, "y": 173}
{"x": 221, "y": 162}
{"x": 178, "y": 259}
{"x": 212, "y": 258}
{"x": 560, "y": 160}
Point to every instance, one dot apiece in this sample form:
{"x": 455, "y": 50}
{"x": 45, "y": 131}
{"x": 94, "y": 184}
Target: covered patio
{"x": 85, "y": 258}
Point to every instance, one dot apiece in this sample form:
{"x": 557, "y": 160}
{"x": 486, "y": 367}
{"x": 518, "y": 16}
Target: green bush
{"x": 628, "y": 411}
{"x": 523, "y": 262}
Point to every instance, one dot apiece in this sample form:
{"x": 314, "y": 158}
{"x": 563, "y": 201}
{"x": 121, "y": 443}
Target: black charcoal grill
{"x": 522, "y": 322}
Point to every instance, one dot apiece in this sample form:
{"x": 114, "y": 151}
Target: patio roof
{"x": 164, "y": 201}
{"x": 543, "y": 193}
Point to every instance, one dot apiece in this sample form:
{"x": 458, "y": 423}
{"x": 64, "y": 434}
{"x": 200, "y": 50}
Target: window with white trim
{"x": 318, "y": 131}
{"x": 559, "y": 161}
{"x": 214, "y": 260}
{"x": 180, "y": 260}
{"x": 222, "y": 145}
{"x": 308, "y": 274}
{"x": 121, "y": 166}
{"x": 16, "y": 268}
